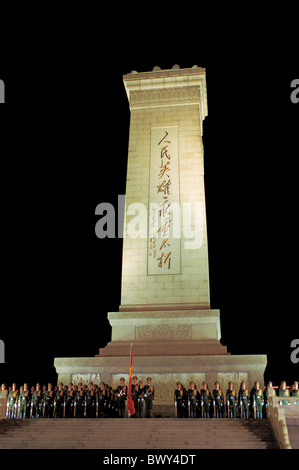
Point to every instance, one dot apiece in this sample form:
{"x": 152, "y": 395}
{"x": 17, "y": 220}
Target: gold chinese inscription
{"x": 161, "y": 249}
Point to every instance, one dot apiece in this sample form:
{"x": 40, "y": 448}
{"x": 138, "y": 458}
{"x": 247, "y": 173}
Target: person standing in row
{"x": 149, "y": 397}
{"x": 205, "y": 399}
{"x": 121, "y": 392}
{"x": 193, "y": 397}
{"x": 231, "y": 400}
{"x": 257, "y": 401}
{"x": 243, "y": 401}
{"x": 218, "y": 401}
{"x": 180, "y": 399}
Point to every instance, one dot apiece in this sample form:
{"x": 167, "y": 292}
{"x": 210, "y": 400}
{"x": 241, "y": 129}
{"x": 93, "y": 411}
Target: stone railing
{"x": 277, "y": 416}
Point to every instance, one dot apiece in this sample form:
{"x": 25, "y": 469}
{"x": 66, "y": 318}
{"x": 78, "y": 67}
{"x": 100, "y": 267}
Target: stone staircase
{"x": 152, "y": 434}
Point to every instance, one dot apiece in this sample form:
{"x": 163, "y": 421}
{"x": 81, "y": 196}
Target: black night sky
{"x": 64, "y": 142}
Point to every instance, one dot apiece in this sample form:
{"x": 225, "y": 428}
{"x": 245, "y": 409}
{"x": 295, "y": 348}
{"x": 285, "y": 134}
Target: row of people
{"x": 93, "y": 401}
{"x": 203, "y": 403}
{"x": 78, "y": 401}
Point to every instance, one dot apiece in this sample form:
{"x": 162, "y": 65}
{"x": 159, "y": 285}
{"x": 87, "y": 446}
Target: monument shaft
{"x": 165, "y": 302}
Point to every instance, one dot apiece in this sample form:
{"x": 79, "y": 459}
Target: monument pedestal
{"x": 165, "y": 371}
{"x": 169, "y": 346}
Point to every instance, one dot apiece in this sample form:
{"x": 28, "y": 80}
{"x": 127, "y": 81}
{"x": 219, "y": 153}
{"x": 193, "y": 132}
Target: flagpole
{"x": 130, "y": 380}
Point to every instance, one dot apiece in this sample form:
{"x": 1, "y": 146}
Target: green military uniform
{"x": 283, "y": 392}
{"x": 48, "y": 403}
{"x": 295, "y": 393}
{"x": 91, "y": 399}
{"x": 180, "y": 401}
{"x": 218, "y": 402}
{"x": 231, "y": 402}
{"x": 243, "y": 402}
{"x": 114, "y": 404}
{"x": 101, "y": 401}
{"x": 257, "y": 402}
{"x": 149, "y": 398}
{"x": 107, "y": 402}
{"x": 110, "y": 399}
{"x": 80, "y": 402}
{"x": 205, "y": 399}
{"x": 69, "y": 403}
{"x": 193, "y": 397}
{"x": 59, "y": 403}
{"x": 140, "y": 401}
{"x": 12, "y": 399}
{"x": 24, "y": 399}
{"x": 121, "y": 393}
{"x": 36, "y": 403}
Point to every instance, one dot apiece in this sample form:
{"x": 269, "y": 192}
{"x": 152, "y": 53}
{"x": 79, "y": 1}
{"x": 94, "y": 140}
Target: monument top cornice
{"x": 175, "y": 79}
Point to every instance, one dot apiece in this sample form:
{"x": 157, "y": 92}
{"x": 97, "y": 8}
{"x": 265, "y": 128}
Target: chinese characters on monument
{"x": 164, "y": 212}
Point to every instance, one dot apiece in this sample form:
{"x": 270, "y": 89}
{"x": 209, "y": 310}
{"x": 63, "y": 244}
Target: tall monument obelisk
{"x": 165, "y": 303}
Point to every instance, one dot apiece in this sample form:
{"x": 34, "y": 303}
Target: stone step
{"x": 135, "y": 434}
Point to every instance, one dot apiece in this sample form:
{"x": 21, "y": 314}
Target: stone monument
{"x": 165, "y": 302}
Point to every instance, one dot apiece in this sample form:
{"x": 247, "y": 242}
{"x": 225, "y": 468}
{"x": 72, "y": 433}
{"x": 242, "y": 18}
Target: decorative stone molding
{"x": 163, "y": 332}
{"x": 175, "y": 86}
{"x": 86, "y": 378}
{"x": 165, "y": 97}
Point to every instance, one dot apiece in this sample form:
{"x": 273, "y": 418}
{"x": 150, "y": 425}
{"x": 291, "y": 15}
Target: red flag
{"x": 131, "y": 406}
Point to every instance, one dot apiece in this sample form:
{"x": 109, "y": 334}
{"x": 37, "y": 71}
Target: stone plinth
{"x": 165, "y": 371}
{"x": 164, "y": 332}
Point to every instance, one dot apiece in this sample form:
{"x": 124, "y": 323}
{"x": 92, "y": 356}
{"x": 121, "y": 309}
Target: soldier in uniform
{"x": 79, "y": 401}
{"x": 101, "y": 400}
{"x": 121, "y": 392}
{"x": 12, "y": 398}
{"x": 205, "y": 400}
{"x": 110, "y": 401}
{"x": 218, "y": 401}
{"x": 193, "y": 397}
{"x": 134, "y": 393}
{"x": 295, "y": 392}
{"x": 59, "y": 401}
{"x": 36, "y": 402}
{"x": 243, "y": 401}
{"x": 180, "y": 400}
{"x": 149, "y": 397}
{"x": 114, "y": 404}
{"x": 19, "y": 402}
{"x": 283, "y": 392}
{"x": 268, "y": 392}
{"x": 140, "y": 399}
{"x": 48, "y": 398}
{"x": 3, "y": 389}
{"x": 69, "y": 404}
{"x": 24, "y": 398}
{"x": 95, "y": 413}
{"x": 231, "y": 400}
{"x": 257, "y": 401}
{"x": 4, "y": 395}
{"x": 90, "y": 401}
